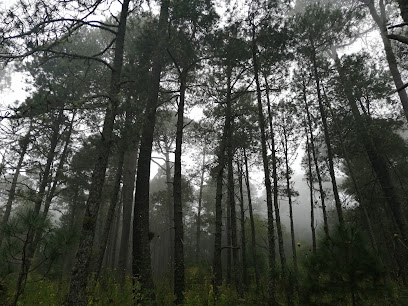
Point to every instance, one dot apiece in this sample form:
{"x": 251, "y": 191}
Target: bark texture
{"x": 108, "y": 224}
{"x": 81, "y": 268}
{"x": 141, "y": 265}
{"x": 177, "y": 195}
{"x": 25, "y": 141}
{"x": 242, "y": 222}
{"x": 323, "y": 117}
{"x": 129, "y": 175}
{"x": 251, "y": 218}
{"x": 380, "y": 20}
{"x": 200, "y": 199}
{"x": 377, "y": 161}
{"x": 271, "y": 235}
{"x": 316, "y": 162}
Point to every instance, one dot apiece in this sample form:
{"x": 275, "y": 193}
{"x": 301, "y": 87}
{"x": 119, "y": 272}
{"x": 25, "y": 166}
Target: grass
{"x": 199, "y": 291}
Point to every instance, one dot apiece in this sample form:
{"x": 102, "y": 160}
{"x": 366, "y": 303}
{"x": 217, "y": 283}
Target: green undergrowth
{"x": 199, "y": 291}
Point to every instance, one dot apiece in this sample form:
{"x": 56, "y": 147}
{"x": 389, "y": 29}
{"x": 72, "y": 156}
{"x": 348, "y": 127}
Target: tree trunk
{"x": 109, "y": 224}
{"x": 167, "y": 265}
{"x": 232, "y": 205}
{"x": 271, "y": 234}
{"x": 141, "y": 266}
{"x": 114, "y": 260}
{"x": 310, "y": 174}
{"x": 200, "y": 199}
{"x": 177, "y": 194}
{"x": 378, "y": 162}
{"x": 59, "y": 171}
{"x": 380, "y": 20}
{"x": 243, "y": 239}
{"x": 217, "y": 264}
{"x": 275, "y": 199}
{"x": 80, "y": 271}
{"x": 129, "y": 175}
{"x": 29, "y": 247}
{"x": 326, "y": 136}
{"x": 289, "y": 192}
{"x": 360, "y": 199}
{"x": 229, "y": 241}
{"x": 314, "y": 154}
{"x": 25, "y": 141}
{"x": 57, "y": 178}
{"x": 251, "y": 217}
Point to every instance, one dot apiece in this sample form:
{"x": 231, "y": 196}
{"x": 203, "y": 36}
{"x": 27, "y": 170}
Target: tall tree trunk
{"x": 141, "y": 266}
{"x": 200, "y": 199}
{"x": 289, "y": 192}
{"x": 232, "y": 204}
{"x": 251, "y": 218}
{"x": 242, "y": 217}
{"x": 29, "y": 247}
{"x": 229, "y": 241}
{"x": 60, "y": 168}
{"x": 177, "y": 194}
{"x": 381, "y": 21}
{"x": 167, "y": 264}
{"x": 217, "y": 264}
{"x": 129, "y": 175}
{"x": 271, "y": 234}
{"x": 326, "y": 136}
{"x": 56, "y": 181}
{"x": 25, "y": 141}
{"x": 378, "y": 162}
{"x": 108, "y": 224}
{"x": 316, "y": 162}
{"x": 114, "y": 250}
{"x": 81, "y": 268}
{"x": 275, "y": 198}
{"x": 310, "y": 177}
{"x": 360, "y": 199}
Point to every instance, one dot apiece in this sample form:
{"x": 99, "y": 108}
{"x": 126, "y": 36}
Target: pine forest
{"x": 203, "y": 152}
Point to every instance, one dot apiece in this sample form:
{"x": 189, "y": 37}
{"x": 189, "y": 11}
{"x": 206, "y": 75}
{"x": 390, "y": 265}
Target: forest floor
{"x": 199, "y": 291}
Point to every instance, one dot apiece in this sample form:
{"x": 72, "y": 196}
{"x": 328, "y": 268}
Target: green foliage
{"x": 108, "y": 292}
{"x": 199, "y": 290}
{"x": 344, "y": 269}
{"x": 38, "y": 291}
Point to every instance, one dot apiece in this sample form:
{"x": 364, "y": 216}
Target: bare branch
{"x": 400, "y": 38}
